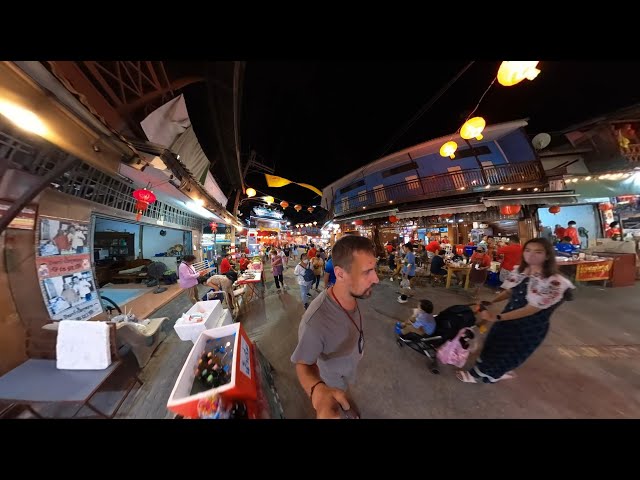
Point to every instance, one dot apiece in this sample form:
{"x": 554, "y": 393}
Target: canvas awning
{"x": 428, "y": 212}
{"x": 563, "y": 197}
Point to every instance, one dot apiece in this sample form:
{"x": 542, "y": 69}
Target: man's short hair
{"x": 442, "y": 252}
{"x": 571, "y": 222}
{"x": 342, "y": 253}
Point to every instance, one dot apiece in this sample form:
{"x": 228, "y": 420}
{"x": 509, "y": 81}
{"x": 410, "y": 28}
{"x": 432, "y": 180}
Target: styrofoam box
{"x": 243, "y": 375}
{"x": 211, "y": 310}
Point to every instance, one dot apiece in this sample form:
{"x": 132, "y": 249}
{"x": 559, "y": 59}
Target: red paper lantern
{"x": 555, "y": 209}
{"x": 144, "y": 198}
{"x": 214, "y": 226}
{"x": 393, "y": 219}
{"x": 284, "y": 204}
{"x": 446, "y": 215}
{"x": 358, "y": 222}
{"x": 510, "y": 209}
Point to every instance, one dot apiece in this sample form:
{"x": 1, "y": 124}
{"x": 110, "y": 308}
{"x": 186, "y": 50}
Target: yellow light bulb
{"x": 512, "y": 73}
{"x": 23, "y": 118}
{"x": 449, "y": 150}
{"x": 251, "y": 192}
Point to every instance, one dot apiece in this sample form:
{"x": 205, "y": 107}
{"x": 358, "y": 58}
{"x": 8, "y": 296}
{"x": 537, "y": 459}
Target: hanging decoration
{"x": 449, "y": 149}
{"x": 269, "y": 199}
{"x": 310, "y": 209}
{"x": 510, "y": 209}
{"x": 297, "y": 208}
{"x": 284, "y": 204}
{"x": 251, "y": 192}
{"x": 358, "y": 222}
{"x": 144, "y": 198}
{"x": 473, "y": 128}
{"x": 512, "y": 73}
{"x": 555, "y": 209}
{"x": 393, "y": 219}
{"x": 274, "y": 181}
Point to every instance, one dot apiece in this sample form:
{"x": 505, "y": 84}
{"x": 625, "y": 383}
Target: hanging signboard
{"x": 63, "y": 263}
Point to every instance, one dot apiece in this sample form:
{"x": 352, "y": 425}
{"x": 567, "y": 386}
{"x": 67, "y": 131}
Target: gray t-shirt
{"x": 328, "y": 338}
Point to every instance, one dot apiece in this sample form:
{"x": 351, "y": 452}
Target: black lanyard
{"x": 360, "y": 331}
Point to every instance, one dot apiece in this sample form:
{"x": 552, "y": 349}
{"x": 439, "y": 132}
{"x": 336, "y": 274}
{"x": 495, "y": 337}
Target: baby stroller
{"x": 448, "y": 323}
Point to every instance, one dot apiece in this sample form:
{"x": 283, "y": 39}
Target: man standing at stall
{"x": 572, "y": 232}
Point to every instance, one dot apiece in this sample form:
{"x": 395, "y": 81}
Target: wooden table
{"x": 590, "y": 270}
{"x": 251, "y": 284}
{"x": 450, "y": 270}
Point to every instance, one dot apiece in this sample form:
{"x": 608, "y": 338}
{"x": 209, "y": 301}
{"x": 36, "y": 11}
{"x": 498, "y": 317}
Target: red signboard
{"x": 591, "y": 271}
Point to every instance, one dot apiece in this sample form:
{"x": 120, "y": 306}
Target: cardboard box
{"x": 211, "y": 310}
{"x": 243, "y": 376}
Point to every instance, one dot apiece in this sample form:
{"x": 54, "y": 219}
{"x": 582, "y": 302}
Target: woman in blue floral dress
{"x": 534, "y": 289}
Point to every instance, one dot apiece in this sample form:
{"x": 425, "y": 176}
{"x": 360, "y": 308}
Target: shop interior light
{"x": 23, "y": 118}
{"x": 587, "y": 178}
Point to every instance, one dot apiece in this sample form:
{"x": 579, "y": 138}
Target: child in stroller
{"x": 423, "y": 321}
{"x": 448, "y": 323}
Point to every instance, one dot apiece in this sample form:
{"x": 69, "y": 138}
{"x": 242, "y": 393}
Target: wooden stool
{"x": 438, "y": 279}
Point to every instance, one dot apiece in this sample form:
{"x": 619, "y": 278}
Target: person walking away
{"x": 277, "y": 268}
{"x": 410, "y": 262}
{"x": 304, "y": 276}
{"x": 534, "y": 289}
{"x": 329, "y": 274}
{"x": 318, "y": 269}
{"x": 331, "y": 337}
{"x": 188, "y": 277}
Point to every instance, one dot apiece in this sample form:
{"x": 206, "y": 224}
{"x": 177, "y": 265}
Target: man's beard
{"x": 366, "y": 294}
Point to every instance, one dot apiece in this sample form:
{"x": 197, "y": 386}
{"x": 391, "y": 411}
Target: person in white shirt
{"x": 299, "y": 272}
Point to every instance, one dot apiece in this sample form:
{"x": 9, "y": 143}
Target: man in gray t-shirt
{"x": 331, "y": 333}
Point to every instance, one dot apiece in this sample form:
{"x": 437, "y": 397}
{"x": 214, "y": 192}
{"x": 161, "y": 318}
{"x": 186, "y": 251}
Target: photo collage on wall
{"x": 64, "y": 269}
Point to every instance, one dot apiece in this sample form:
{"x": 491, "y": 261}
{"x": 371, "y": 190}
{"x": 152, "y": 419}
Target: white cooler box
{"x": 211, "y": 311}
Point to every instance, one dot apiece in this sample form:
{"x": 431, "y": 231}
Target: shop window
{"x": 400, "y": 169}
{"x": 353, "y": 186}
{"x": 472, "y": 152}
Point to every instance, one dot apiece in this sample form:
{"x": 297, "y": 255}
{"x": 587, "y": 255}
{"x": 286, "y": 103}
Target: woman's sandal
{"x": 465, "y": 377}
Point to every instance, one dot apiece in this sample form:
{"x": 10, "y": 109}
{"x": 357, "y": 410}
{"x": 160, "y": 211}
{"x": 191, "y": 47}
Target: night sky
{"x": 317, "y": 121}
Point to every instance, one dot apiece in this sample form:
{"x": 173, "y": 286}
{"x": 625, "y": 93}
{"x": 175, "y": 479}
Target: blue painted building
{"x": 503, "y": 159}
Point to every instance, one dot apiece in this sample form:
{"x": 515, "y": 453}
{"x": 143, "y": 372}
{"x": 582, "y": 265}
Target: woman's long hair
{"x": 549, "y": 267}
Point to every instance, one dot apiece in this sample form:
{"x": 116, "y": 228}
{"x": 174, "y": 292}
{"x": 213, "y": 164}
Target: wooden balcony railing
{"x": 443, "y": 184}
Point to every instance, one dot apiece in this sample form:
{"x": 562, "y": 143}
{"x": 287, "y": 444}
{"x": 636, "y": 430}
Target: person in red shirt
{"x": 389, "y": 247}
{"x": 613, "y": 231}
{"x": 312, "y": 252}
{"x": 244, "y": 263}
{"x": 572, "y": 233}
{"x": 512, "y": 256}
{"x": 225, "y": 265}
{"x": 434, "y": 246}
{"x": 559, "y": 232}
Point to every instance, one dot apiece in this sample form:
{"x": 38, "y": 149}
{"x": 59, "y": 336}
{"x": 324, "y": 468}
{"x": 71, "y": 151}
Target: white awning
{"x": 427, "y": 212}
{"x": 543, "y": 198}
{"x": 367, "y": 216}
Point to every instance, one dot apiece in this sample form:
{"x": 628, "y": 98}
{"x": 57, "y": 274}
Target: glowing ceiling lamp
{"x": 449, "y": 150}
{"x": 512, "y": 73}
{"x": 251, "y": 192}
{"x": 23, "y": 118}
{"x": 473, "y": 128}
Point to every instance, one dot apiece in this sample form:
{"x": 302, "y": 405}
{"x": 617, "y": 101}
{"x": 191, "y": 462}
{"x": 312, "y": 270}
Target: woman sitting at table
{"x": 564, "y": 248}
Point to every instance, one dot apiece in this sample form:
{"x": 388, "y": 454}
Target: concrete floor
{"x": 588, "y": 366}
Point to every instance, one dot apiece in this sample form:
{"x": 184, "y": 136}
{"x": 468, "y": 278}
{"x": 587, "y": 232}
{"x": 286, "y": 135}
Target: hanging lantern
{"x": 214, "y": 226}
{"x": 512, "y": 73}
{"x": 144, "y": 198}
{"x": 449, "y": 150}
{"x": 393, "y": 219}
{"x": 603, "y": 207}
{"x": 358, "y": 222}
{"x": 473, "y": 128}
{"x": 269, "y": 199}
{"x": 284, "y": 204}
{"x": 510, "y": 209}
{"x": 446, "y": 215}
{"x": 555, "y": 209}
{"x": 297, "y": 208}
{"x": 251, "y": 192}
{"x": 310, "y": 209}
